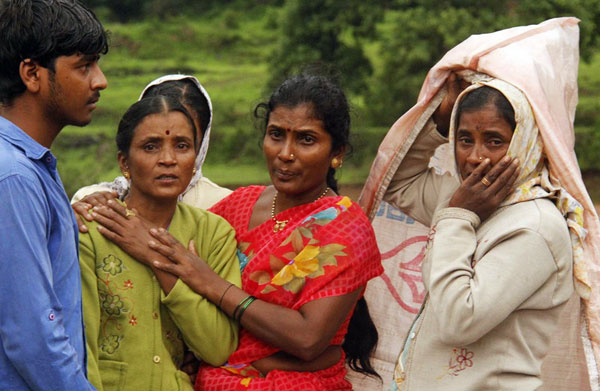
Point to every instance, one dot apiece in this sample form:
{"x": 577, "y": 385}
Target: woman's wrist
{"x": 215, "y": 289}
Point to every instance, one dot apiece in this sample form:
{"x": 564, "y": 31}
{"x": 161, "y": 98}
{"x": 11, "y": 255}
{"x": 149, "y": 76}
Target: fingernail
{"x": 161, "y": 230}
{"x": 516, "y": 161}
{"x": 89, "y": 216}
{"x": 506, "y": 159}
{"x": 152, "y": 243}
{"x": 110, "y": 202}
{"x": 153, "y": 230}
{"x": 487, "y": 160}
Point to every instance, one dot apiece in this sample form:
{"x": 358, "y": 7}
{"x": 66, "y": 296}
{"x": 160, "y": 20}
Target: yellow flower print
{"x": 345, "y": 202}
{"x": 302, "y": 265}
{"x": 246, "y": 381}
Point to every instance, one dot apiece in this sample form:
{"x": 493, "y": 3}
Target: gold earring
{"x": 126, "y": 175}
{"x": 336, "y": 163}
{"x": 194, "y": 171}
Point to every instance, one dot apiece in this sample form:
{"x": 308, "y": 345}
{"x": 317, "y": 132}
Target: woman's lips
{"x": 167, "y": 178}
{"x": 284, "y": 174}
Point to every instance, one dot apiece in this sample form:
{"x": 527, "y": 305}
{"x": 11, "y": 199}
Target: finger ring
{"x": 129, "y": 212}
{"x": 485, "y": 182}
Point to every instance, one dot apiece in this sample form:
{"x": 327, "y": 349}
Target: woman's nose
{"x": 476, "y": 156}
{"x": 167, "y": 156}
{"x": 287, "y": 151}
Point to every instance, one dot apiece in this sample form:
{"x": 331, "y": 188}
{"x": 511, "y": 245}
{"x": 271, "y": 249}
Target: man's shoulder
{"x": 13, "y": 162}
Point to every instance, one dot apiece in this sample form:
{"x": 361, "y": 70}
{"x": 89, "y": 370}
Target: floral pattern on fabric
{"x": 327, "y": 249}
{"x": 111, "y": 264}
{"x": 111, "y": 343}
{"x": 114, "y": 304}
{"x": 460, "y": 360}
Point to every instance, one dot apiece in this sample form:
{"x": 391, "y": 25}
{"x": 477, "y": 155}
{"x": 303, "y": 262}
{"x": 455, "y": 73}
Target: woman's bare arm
{"x": 304, "y": 333}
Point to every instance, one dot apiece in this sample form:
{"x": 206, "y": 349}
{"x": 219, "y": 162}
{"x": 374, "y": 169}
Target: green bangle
{"x": 246, "y": 304}
{"x": 237, "y": 308}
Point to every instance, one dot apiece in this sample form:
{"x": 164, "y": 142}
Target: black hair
{"x": 42, "y": 30}
{"x": 328, "y": 103}
{"x": 140, "y": 110}
{"x": 481, "y": 97}
{"x": 361, "y": 339}
{"x": 186, "y": 92}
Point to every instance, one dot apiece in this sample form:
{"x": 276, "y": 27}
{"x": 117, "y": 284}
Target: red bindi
{"x": 167, "y": 132}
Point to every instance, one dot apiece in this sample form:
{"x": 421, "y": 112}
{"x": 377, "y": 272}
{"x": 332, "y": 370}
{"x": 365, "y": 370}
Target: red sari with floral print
{"x": 326, "y": 249}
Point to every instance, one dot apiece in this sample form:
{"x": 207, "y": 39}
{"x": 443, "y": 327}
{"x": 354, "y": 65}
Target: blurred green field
{"x": 228, "y": 54}
{"x": 228, "y": 51}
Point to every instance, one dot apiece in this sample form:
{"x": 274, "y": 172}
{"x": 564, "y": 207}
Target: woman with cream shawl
{"x": 535, "y": 68}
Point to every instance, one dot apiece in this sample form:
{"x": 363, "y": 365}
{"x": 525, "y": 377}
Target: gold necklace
{"x": 280, "y": 224}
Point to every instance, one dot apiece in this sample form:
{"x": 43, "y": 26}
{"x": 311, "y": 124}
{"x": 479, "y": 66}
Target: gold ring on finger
{"x": 129, "y": 212}
{"x": 485, "y": 182}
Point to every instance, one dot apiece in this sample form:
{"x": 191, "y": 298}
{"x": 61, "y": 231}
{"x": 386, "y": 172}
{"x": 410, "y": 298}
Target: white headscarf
{"x": 121, "y": 185}
{"x": 535, "y": 180}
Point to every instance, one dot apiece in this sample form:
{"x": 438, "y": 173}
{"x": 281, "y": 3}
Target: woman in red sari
{"x": 306, "y": 255}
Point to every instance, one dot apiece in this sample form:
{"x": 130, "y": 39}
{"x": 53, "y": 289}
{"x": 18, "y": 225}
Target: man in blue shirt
{"x": 49, "y": 78}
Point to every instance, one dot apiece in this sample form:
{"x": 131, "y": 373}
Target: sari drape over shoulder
{"x": 542, "y": 62}
{"x": 328, "y": 248}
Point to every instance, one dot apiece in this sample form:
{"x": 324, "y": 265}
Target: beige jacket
{"x": 495, "y": 289}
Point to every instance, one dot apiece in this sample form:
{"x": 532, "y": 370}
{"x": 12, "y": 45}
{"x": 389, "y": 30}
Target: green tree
{"x": 328, "y": 32}
{"x": 426, "y": 29}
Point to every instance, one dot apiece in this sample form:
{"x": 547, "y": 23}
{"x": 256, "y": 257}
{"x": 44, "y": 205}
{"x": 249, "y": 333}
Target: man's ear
{"x": 30, "y": 73}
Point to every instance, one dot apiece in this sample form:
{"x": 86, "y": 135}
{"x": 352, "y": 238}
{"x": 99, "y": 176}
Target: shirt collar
{"x": 17, "y": 137}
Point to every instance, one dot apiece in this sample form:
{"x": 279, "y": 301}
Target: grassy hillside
{"x": 228, "y": 51}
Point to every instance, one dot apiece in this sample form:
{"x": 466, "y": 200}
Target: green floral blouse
{"x": 135, "y": 334}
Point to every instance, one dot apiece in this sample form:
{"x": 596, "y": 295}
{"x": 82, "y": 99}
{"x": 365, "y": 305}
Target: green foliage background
{"x": 379, "y": 51}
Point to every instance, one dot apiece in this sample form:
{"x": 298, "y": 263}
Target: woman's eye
{"x": 496, "y": 142}
{"x": 275, "y": 134}
{"x": 149, "y": 147}
{"x": 183, "y": 146}
{"x": 464, "y": 140}
{"x": 306, "y": 139}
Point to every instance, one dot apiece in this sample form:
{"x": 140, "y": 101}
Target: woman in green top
{"x": 138, "y": 320}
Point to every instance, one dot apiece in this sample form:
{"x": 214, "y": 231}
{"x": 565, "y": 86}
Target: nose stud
{"x": 292, "y": 156}
{"x": 480, "y": 158}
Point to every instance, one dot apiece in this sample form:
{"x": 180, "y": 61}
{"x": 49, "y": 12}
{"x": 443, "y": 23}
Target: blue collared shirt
{"x": 41, "y": 328}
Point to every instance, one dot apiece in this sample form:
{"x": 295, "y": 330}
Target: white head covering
{"x": 121, "y": 185}
{"x": 205, "y": 138}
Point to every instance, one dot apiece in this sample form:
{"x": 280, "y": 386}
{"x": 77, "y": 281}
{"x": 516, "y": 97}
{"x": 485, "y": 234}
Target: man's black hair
{"x": 42, "y": 30}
